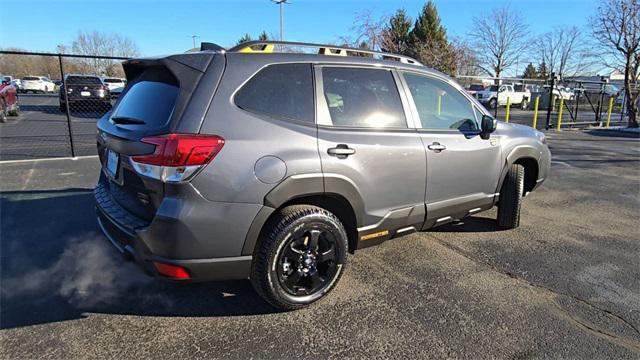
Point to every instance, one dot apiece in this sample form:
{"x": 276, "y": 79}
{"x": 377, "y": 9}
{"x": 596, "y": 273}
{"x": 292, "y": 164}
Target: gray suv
{"x": 272, "y": 163}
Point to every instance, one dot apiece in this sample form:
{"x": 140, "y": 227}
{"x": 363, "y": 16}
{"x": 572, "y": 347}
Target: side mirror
{"x": 488, "y": 126}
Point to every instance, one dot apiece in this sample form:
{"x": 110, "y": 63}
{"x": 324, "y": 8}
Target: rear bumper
{"x": 131, "y": 237}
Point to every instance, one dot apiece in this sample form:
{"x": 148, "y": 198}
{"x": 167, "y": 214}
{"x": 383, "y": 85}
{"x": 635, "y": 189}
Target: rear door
{"x": 364, "y": 139}
{"x": 462, "y": 168}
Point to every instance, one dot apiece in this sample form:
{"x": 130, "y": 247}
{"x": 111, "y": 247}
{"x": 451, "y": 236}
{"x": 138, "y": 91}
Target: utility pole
{"x": 193, "y": 37}
{"x": 280, "y": 3}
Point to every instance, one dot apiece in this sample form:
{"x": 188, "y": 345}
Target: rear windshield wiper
{"x": 125, "y": 120}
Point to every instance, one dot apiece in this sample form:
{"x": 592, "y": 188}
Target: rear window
{"x": 476, "y": 87}
{"x": 149, "y": 101}
{"x": 83, "y": 80}
{"x": 27, "y": 78}
{"x": 282, "y": 91}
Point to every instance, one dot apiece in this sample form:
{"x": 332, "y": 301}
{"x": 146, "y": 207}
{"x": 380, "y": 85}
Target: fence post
{"x": 66, "y": 106}
{"x": 609, "y": 111}
{"x": 506, "y": 116}
{"x": 535, "y": 112}
{"x": 553, "y": 78}
{"x": 560, "y": 114}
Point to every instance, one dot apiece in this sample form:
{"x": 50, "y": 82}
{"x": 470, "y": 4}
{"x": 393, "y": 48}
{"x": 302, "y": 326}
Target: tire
{"x": 15, "y": 111}
{"x": 288, "y": 271}
{"x": 493, "y": 103}
{"x": 3, "y": 112}
{"x": 524, "y": 104}
{"x": 511, "y": 198}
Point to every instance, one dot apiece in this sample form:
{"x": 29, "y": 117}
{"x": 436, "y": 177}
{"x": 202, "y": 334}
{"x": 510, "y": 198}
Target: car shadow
{"x": 471, "y": 224}
{"x": 56, "y": 266}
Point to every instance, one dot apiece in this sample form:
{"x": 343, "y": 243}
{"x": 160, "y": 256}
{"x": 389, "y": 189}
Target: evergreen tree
{"x": 429, "y": 43}
{"x": 245, "y": 38}
{"x": 427, "y": 25}
{"x": 530, "y": 72}
{"x": 543, "y": 73}
{"x": 263, "y": 36}
{"x": 396, "y": 36}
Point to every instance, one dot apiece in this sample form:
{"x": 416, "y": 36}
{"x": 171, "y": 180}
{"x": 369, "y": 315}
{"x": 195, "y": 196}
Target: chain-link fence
{"x": 545, "y": 103}
{"x": 60, "y": 98}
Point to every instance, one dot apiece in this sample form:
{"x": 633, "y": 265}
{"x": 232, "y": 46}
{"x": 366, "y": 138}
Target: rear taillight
{"x": 171, "y": 271}
{"x": 177, "y": 157}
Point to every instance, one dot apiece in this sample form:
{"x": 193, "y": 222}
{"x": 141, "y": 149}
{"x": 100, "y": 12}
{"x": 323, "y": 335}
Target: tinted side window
{"x": 283, "y": 91}
{"x": 362, "y": 97}
{"x": 440, "y": 105}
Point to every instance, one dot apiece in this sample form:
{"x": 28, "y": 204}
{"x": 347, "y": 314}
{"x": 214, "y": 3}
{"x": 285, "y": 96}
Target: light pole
{"x": 281, "y": 2}
{"x": 193, "y": 37}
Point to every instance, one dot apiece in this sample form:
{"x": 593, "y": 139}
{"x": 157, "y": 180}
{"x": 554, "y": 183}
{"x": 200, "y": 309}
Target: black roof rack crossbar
{"x": 322, "y": 49}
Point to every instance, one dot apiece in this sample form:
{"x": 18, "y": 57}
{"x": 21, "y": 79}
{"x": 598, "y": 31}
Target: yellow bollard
{"x": 609, "y": 112}
{"x": 535, "y": 113}
{"x": 506, "y": 116}
{"x": 560, "y": 114}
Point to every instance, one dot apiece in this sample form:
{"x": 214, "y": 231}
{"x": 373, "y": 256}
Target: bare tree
{"x": 565, "y": 51}
{"x": 616, "y": 28}
{"x": 98, "y": 43}
{"x": 500, "y": 38}
{"x": 366, "y": 29}
{"x": 466, "y": 60}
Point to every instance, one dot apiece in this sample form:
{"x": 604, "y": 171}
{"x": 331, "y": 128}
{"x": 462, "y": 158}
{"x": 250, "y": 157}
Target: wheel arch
{"x": 528, "y": 157}
{"x": 342, "y": 199}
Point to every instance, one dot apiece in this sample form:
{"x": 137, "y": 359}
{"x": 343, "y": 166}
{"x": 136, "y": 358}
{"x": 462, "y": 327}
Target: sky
{"x": 165, "y": 26}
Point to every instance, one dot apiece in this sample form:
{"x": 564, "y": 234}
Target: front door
{"x": 462, "y": 168}
{"x": 365, "y": 142}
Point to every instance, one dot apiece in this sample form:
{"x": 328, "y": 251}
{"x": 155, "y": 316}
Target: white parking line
{"x": 47, "y": 159}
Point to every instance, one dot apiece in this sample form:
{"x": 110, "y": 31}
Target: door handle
{"x": 341, "y": 151}
{"x": 437, "y": 147}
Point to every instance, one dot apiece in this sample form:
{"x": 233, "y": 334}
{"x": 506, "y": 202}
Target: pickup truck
{"x": 496, "y": 95}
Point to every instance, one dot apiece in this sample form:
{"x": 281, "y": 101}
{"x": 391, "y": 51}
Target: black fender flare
{"x": 518, "y": 152}
{"x": 303, "y": 185}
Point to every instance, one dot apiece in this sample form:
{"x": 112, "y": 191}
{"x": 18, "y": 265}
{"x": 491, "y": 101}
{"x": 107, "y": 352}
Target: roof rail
{"x": 268, "y": 46}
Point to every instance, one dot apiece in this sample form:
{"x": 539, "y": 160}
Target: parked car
{"x": 238, "y": 164}
{"x": 36, "y": 84}
{"x": 116, "y": 85}
{"x": 8, "y": 100}
{"x": 17, "y": 83}
{"x": 497, "y": 95}
{"x": 86, "y": 90}
{"x": 474, "y": 88}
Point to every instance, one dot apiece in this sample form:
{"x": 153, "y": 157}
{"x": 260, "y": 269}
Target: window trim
{"x": 269, "y": 117}
{"x": 414, "y": 108}
{"x": 323, "y": 118}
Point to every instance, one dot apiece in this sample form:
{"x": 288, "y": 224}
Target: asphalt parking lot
{"x": 563, "y": 285}
{"x": 41, "y": 129}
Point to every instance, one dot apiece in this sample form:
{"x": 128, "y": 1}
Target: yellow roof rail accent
{"x": 268, "y": 46}
{"x": 265, "y": 48}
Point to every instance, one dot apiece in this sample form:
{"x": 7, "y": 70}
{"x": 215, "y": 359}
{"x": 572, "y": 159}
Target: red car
{"x": 8, "y": 101}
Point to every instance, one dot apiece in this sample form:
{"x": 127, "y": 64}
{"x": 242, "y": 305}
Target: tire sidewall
{"x": 278, "y": 239}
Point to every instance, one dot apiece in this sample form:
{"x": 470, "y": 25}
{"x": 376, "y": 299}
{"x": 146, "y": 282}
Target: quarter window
{"x": 358, "y": 97}
{"x": 283, "y": 91}
{"x": 440, "y": 105}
